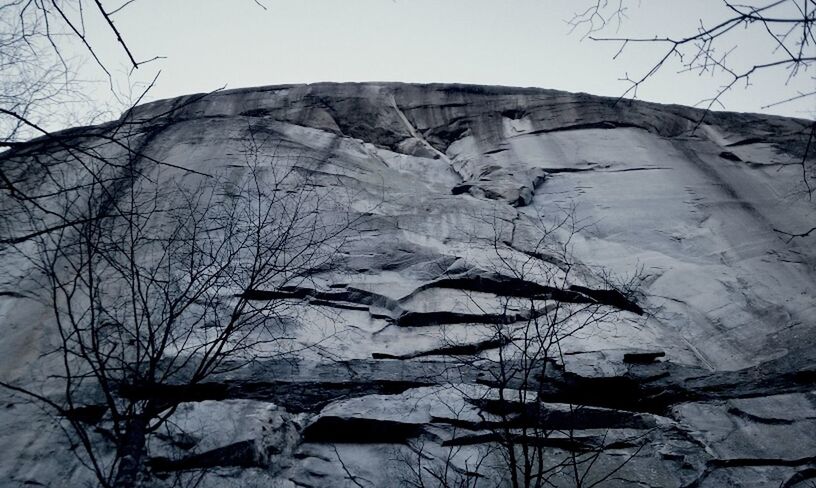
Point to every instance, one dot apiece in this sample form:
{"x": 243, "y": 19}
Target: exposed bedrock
{"x": 348, "y": 297}
{"x": 400, "y": 417}
{"x": 642, "y": 238}
{"x": 653, "y": 388}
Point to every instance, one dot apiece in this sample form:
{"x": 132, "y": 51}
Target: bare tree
{"x": 38, "y": 72}
{"x": 153, "y": 287}
{"x": 40, "y": 90}
{"x": 519, "y": 356}
{"x": 711, "y": 48}
{"x": 145, "y": 294}
{"x": 42, "y": 45}
{"x": 718, "y": 47}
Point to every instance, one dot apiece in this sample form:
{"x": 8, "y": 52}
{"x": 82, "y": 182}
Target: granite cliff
{"x": 696, "y": 367}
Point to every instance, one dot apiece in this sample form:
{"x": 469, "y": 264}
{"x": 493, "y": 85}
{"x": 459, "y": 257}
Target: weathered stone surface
{"x": 704, "y": 377}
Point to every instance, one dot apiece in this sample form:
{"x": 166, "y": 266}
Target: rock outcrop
{"x": 697, "y": 367}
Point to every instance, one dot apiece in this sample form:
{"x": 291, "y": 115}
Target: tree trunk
{"x": 130, "y": 472}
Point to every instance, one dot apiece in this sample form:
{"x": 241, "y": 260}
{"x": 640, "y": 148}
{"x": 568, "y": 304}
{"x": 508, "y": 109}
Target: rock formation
{"x": 689, "y": 360}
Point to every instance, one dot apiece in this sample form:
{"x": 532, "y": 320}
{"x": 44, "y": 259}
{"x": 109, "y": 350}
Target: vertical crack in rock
{"x": 416, "y": 134}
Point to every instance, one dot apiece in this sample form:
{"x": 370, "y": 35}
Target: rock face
{"x": 696, "y": 368}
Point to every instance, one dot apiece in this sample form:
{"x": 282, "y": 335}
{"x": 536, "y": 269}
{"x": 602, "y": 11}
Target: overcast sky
{"x": 235, "y": 43}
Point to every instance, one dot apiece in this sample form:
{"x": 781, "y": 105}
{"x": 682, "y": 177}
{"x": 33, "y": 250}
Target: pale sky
{"x": 235, "y": 43}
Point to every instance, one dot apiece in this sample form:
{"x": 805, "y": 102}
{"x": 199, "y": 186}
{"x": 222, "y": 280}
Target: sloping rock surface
{"x": 702, "y": 375}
